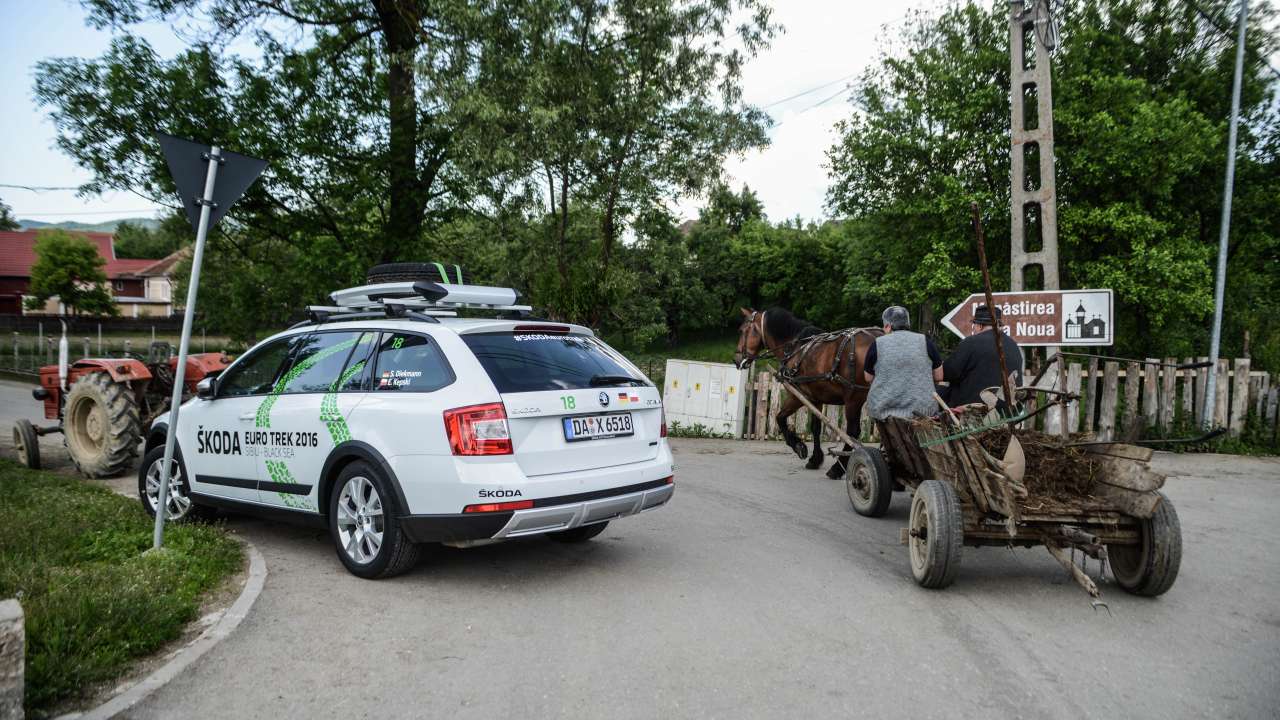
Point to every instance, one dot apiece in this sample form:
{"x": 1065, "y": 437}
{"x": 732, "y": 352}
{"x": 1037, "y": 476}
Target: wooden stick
{"x": 1084, "y": 580}
{"x": 997, "y": 332}
{"x": 825, "y": 420}
{"x": 1062, "y": 399}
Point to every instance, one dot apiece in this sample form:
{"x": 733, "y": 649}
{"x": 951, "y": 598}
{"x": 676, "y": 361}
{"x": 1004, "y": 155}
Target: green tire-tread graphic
{"x": 330, "y": 415}
{"x": 278, "y": 470}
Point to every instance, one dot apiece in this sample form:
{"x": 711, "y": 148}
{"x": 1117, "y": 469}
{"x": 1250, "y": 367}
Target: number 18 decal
{"x": 568, "y": 401}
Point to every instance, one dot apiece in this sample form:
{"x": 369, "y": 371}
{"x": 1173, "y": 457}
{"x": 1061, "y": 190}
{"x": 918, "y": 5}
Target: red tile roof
{"x": 18, "y": 254}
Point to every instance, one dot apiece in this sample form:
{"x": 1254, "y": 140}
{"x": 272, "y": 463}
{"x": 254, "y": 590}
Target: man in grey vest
{"x": 903, "y": 367}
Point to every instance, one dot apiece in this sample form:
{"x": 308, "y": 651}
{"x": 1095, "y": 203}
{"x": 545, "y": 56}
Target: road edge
{"x": 230, "y": 620}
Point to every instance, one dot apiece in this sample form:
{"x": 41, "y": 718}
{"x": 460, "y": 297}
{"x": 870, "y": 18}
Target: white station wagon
{"x": 394, "y": 422}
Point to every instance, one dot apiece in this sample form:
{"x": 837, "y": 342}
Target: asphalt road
{"x": 756, "y": 592}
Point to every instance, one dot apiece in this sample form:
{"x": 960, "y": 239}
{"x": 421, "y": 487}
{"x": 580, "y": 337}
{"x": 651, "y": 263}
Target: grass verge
{"x": 72, "y": 553}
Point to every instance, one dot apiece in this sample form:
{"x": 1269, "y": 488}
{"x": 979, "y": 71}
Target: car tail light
{"x": 670, "y": 479}
{"x": 478, "y": 430}
{"x": 499, "y": 507}
{"x": 663, "y": 432}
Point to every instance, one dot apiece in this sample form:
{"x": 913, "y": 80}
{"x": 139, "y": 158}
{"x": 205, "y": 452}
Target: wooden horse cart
{"x": 977, "y": 479}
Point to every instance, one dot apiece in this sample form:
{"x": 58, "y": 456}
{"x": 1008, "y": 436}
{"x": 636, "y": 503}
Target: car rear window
{"x": 529, "y": 362}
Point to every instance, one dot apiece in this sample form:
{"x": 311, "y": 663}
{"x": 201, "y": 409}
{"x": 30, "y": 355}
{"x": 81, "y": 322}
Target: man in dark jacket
{"x": 974, "y": 366}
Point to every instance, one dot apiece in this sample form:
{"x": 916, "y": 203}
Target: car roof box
{"x": 425, "y": 294}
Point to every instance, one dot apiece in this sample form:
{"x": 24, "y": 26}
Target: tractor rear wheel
{"x": 101, "y": 425}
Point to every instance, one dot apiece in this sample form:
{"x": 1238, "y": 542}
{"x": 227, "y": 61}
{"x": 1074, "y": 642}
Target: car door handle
{"x": 248, "y": 416}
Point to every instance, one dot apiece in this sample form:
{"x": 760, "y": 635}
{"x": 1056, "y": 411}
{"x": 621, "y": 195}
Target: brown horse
{"x": 825, "y": 367}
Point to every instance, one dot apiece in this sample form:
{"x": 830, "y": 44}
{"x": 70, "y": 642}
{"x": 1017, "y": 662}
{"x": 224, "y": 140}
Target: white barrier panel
{"x": 712, "y": 395}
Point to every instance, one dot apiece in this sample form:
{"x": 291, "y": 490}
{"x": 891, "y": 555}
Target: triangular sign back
{"x": 188, "y": 166}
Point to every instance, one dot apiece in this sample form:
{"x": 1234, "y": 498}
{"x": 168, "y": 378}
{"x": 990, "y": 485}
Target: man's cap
{"x": 982, "y": 316}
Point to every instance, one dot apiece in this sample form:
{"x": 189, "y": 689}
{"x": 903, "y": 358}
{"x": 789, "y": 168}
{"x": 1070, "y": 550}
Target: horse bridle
{"x": 765, "y": 350}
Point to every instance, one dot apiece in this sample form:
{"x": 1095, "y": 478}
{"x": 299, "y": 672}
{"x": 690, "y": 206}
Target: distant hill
{"x": 105, "y": 226}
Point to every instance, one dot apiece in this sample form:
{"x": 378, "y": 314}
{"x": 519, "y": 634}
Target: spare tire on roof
{"x": 413, "y": 271}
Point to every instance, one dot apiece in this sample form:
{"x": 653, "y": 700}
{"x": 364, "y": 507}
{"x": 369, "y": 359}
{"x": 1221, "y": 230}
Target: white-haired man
{"x": 903, "y": 367}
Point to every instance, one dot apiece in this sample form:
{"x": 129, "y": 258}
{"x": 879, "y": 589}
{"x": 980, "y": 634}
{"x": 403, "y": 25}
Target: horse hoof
{"x": 835, "y": 472}
{"x": 801, "y": 451}
{"x": 814, "y": 463}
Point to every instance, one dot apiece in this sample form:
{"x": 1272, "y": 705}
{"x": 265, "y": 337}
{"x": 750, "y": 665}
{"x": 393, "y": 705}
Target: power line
{"x": 828, "y": 99}
{"x": 88, "y": 212}
{"x": 806, "y": 92}
{"x": 1215, "y": 22}
{"x": 36, "y": 188}
{"x": 821, "y": 102}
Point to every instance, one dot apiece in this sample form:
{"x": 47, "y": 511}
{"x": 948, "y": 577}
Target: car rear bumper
{"x": 547, "y": 515}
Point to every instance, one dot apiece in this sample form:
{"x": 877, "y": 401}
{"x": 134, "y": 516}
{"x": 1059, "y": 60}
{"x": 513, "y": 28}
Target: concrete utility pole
{"x": 1029, "y": 81}
{"x": 1215, "y": 340}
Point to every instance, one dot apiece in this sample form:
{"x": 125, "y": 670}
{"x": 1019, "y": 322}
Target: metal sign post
{"x": 180, "y": 372}
{"x": 1215, "y": 340}
{"x": 184, "y": 157}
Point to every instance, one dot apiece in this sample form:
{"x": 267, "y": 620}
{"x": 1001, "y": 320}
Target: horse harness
{"x": 799, "y": 347}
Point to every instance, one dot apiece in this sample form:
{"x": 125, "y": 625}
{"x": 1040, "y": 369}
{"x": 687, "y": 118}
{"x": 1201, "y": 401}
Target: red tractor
{"x": 104, "y": 404}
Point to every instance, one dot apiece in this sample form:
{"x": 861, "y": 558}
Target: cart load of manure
{"x": 1054, "y": 469}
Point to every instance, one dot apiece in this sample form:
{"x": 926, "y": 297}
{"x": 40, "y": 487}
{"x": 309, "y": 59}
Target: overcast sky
{"x": 823, "y": 43}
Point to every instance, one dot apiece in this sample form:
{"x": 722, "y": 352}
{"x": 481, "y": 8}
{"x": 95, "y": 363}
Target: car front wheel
{"x": 364, "y": 524}
{"x": 180, "y": 506}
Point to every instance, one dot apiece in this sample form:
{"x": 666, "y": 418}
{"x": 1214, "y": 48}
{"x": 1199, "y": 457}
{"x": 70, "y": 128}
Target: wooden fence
{"x": 1119, "y": 401}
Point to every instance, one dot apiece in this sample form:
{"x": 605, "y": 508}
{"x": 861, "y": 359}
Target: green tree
{"x": 631, "y": 103}
{"x": 7, "y": 220}
{"x": 733, "y": 210}
{"x": 358, "y": 105}
{"x": 1141, "y": 93}
{"x": 392, "y": 125}
{"x": 138, "y": 241}
{"x": 69, "y": 267}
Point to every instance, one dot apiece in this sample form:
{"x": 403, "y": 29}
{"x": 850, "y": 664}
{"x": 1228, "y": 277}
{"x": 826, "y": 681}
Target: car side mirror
{"x": 205, "y": 388}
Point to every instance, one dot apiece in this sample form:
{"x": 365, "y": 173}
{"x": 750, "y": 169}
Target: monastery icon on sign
{"x": 1078, "y": 328}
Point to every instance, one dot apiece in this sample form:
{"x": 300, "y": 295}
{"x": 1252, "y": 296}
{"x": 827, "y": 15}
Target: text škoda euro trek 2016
{"x": 277, "y": 446}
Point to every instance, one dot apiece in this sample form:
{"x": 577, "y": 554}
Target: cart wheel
{"x": 937, "y": 533}
{"x": 882, "y": 467}
{"x": 27, "y": 443}
{"x": 868, "y": 482}
{"x": 1150, "y": 567}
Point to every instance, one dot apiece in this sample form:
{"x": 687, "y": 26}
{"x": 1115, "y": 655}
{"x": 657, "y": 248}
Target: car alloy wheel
{"x": 179, "y": 504}
{"x": 361, "y": 523}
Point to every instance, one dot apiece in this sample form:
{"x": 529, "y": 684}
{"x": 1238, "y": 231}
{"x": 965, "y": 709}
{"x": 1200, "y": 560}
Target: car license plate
{"x": 597, "y": 427}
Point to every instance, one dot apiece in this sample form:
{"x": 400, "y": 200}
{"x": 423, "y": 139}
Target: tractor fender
{"x": 121, "y": 370}
{"x": 201, "y": 365}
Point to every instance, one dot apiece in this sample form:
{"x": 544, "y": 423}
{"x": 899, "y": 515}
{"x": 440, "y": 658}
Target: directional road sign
{"x": 1047, "y": 317}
